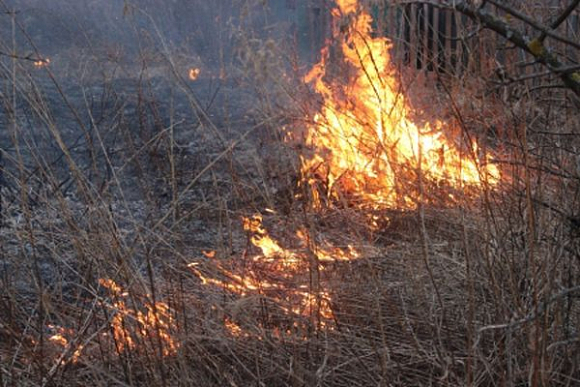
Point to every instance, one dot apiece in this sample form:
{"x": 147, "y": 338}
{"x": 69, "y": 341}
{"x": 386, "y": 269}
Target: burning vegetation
{"x": 194, "y": 73}
{"x": 365, "y": 150}
{"x": 298, "y": 223}
{"x": 139, "y": 329}
{"x": 365, "y": 146}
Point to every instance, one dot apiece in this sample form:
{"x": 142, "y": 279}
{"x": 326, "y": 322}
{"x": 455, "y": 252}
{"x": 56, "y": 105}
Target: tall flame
{"x": 364, "y": 142}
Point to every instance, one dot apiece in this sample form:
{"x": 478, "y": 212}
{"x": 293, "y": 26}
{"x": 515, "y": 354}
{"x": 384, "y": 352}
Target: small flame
{"x": 131, "y": 328}
{"x": 194, "y": 73}
{"x": 61, "y": 339}
{"x": 128, "y": 324}
{"x": 271, "y": 250}
{"x": 276, "y": 273}
{"x": 42, "y": 62}
{"x": 233, "y": 328}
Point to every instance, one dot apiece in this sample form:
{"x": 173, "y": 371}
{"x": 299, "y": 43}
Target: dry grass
{"x": 480, "y": 293}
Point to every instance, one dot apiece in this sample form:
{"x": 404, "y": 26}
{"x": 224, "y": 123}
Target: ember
{"x": 42, "y": 63}
{"x": 194, "y": 73}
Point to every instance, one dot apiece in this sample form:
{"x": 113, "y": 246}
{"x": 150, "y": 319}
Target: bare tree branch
{"x": 534, "y": 47}
{"x": 561, "y": 18}
{"x": 526, "y": 19}
{"x": 20, "y": 57}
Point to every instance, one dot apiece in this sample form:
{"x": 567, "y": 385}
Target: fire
{"x": 366, "y": 149}
{"x": 42, "y": 62}
{"x": 365, "y": 145}
{"x": 62, "y": 339}
{"x": 277, "y": 273}
{"x": 194, "y": 73}
{"x": 131, "y": 327}
{"x": 270, "y": 248}
{"x": 233, "y": 328}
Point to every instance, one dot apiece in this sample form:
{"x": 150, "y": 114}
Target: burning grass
{"x": 365, "y": 144}
{"x": 384, "y": 252}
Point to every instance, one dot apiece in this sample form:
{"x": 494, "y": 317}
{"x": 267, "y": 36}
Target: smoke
{"x": 197, "y": 28}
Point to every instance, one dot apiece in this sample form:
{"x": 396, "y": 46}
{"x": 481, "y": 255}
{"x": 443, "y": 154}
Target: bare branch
{"x": 561, "y": 18}
{"x": 28, "y": 57}
{"x": 534, "y": 47}
{"x": 526, "y": 19}
{"x": 539, "y": 311}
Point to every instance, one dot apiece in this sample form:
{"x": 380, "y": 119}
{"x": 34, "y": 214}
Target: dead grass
{"x": 477, "y": 293}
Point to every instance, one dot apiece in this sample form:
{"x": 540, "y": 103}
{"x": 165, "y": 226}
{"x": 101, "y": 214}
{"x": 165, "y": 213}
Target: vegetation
{"x": 186, "y": 209}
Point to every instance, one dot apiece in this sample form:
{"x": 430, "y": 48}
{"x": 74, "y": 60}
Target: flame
{"x": 61, "y": 339}
{"x": 128, "y": 325}
{"x": 194, "y": 73}
{"x": 41, "y": 62}
{"x": 233, "y": 328}
{"x": 364, "y": 142}
{"x": 131, "y": 328}
{"x": 366, "y": 148}
{"x": 277, "y": 273}
{"x": 270, "y": 248}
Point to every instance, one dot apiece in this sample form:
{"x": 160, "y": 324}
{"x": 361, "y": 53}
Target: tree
{"x": 536, "y": 45}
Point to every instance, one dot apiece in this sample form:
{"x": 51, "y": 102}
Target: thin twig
{"x": 526, "y": 19}
{"x": 530, "y": 317}
{"x": 560, "y": 19}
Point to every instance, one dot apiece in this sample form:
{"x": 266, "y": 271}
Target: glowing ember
{"x": 61, "y": 339}
{"x": 233, "y": 328}
{"x": 365, "y": 145}
{"x": 194, "y": 73}
{"x": 42, "y": 62}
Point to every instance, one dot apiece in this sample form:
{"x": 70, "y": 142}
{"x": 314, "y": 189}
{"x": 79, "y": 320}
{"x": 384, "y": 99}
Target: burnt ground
{"x": 124, "y": 136}
{"x": 131, "y": 171}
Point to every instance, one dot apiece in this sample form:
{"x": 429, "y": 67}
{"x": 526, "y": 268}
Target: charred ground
{"x": 123, "y": 254}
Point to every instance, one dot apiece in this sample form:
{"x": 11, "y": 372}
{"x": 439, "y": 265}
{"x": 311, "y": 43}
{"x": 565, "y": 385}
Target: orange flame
{"x": 364, "y": 145}
{"x": 61, "y": 339}
{"x": 131, "y": 328}
{"x": 194, "y": 73}
{"x": 270, "y": 248}
{"x": 129, "y": 325}
{"x": 277, "y": 273}
{"x": 363, "y": 139}
{"x": 233, "y": 328}
{"x": 42, "y": 62}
